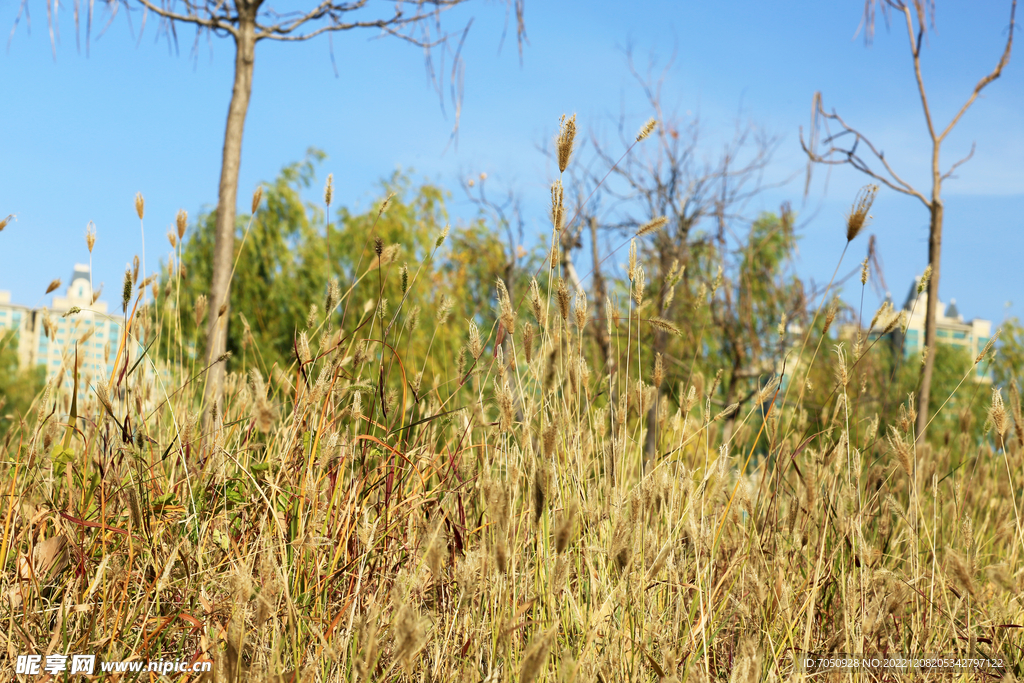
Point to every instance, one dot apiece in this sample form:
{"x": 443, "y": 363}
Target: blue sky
{"x": 81, "y": 135}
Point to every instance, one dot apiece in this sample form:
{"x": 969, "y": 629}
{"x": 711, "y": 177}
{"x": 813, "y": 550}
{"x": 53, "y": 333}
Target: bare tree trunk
{"x": 931, "y": 315}
{"x": 658, "y": 345}
{"x": 227, "y": 196}
{"x": 600, "y": 295}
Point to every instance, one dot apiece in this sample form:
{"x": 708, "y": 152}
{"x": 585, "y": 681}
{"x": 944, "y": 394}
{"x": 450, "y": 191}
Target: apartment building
{"x": 48, "y": 336}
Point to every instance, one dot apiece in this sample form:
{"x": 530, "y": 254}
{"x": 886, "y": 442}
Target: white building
{"x": 48, "y": 336}
{"x": 950, "y": 326}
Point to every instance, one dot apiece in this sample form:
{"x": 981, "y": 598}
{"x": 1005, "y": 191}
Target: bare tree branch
{"x": 949, "y": 173}
{"x": 849, "y": 155}
{"x": 996, "y": 72}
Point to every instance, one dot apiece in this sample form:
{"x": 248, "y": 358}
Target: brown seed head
{"x": 580, "y": 309}
{"x": 562, "y": 294}
{"x": 181, "y": 222}
{"x": 858, "y": 216}
{"x": 200, "y": 309}
{"x": 646, "y": 129}
{"x": 528, "y": 335}
{"x": 126, "y": 289}
{"x": 659, "y": 370}
{"x": 538, "y": 493}
{"x": 384, "y": 207}
{"x": 536, "y": 303}
{"x": 135, "y": 269}
{"x": 997, "y": 414}
{"x": 329, "y": 189}
{"x": 303, "y": 348}
{"x": 664, "y": 325}
{"x": 90, "y": 236}
{"x": 566, "y": 135}
{"x": 652, "y": 225}
{"x": 922, "y": 284}
{"x": 864, "y": 272}
{"x": 830, "y": 315}
{"x": 54, "y": 284}
{"x": 565, "y": 527}
{"x": 557, "y": 206}
{"x": 505, "y": 311}
{"x": 5, "y": 221}
{"x": 444, "y": 309}
{"x": 631, "y": 271}
{"x": 639, "y": 278}
{"x": 140, "y": 205}
{"x": 988, "y": 346}
{"x": 476, "y": 345}
{"x": 104, "y": 396}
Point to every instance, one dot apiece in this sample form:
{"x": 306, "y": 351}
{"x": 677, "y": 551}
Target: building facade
{"x": 49, "y": 336}
{"x": 951, "y": 329}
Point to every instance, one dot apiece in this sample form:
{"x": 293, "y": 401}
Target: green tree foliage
{"x": 274, "y": 283}
{"x": 18, "y": 387}
{"x": 966, "y": 400}
{"x": 289, "y": 256}
{"x": 1009, "y": 361}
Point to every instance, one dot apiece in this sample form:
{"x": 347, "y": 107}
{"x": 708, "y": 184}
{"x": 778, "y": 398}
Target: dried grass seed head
{"x": 536, "y": 656}
{"x": 926, "y": 276}
{"x": 563, "y": 532}
{"x": 444, "y": 309}
{"x": 580, "y": 309}
{"x": 476, "y": 346}
{"x": 652, "y": 226}
{"x": 646, "y": 129}
{"x": 441, "y": 237}
{"x": 830, "y": 315}
{"x": 140, "y": 205}
{"x": 90, "y": 235}
{"x": 505, "y": 311}
{"x": 997, "y": 413}
{"x": 858, "y": 216}
{"x": 566, "y": 136}
{"x": 126, "y": 290}
{"x": 536, "y": 303}
{"x": 54, "y": 284}
{"x": 200, "y": 309}
{"x": 329, "y": 189}
{"x": 3, "y": 222}
{"x": 557, "y": 205}
{"x": 257, "y": 197}
{"x": 181, "y": 222}
{"x": 562, "y": 296}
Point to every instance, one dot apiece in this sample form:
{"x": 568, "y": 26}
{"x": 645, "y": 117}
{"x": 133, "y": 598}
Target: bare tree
{"x": 831, "y": 151}
{"x": 671, "y": 178}
{"x": 247, "y": 22}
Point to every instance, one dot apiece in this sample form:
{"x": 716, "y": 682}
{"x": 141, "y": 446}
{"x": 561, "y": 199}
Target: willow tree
{"x": 849, "y": 146}
{"x": 248, "y": 22}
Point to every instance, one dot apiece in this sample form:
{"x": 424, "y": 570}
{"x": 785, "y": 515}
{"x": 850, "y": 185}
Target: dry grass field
{"x": 484, "y": 508}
